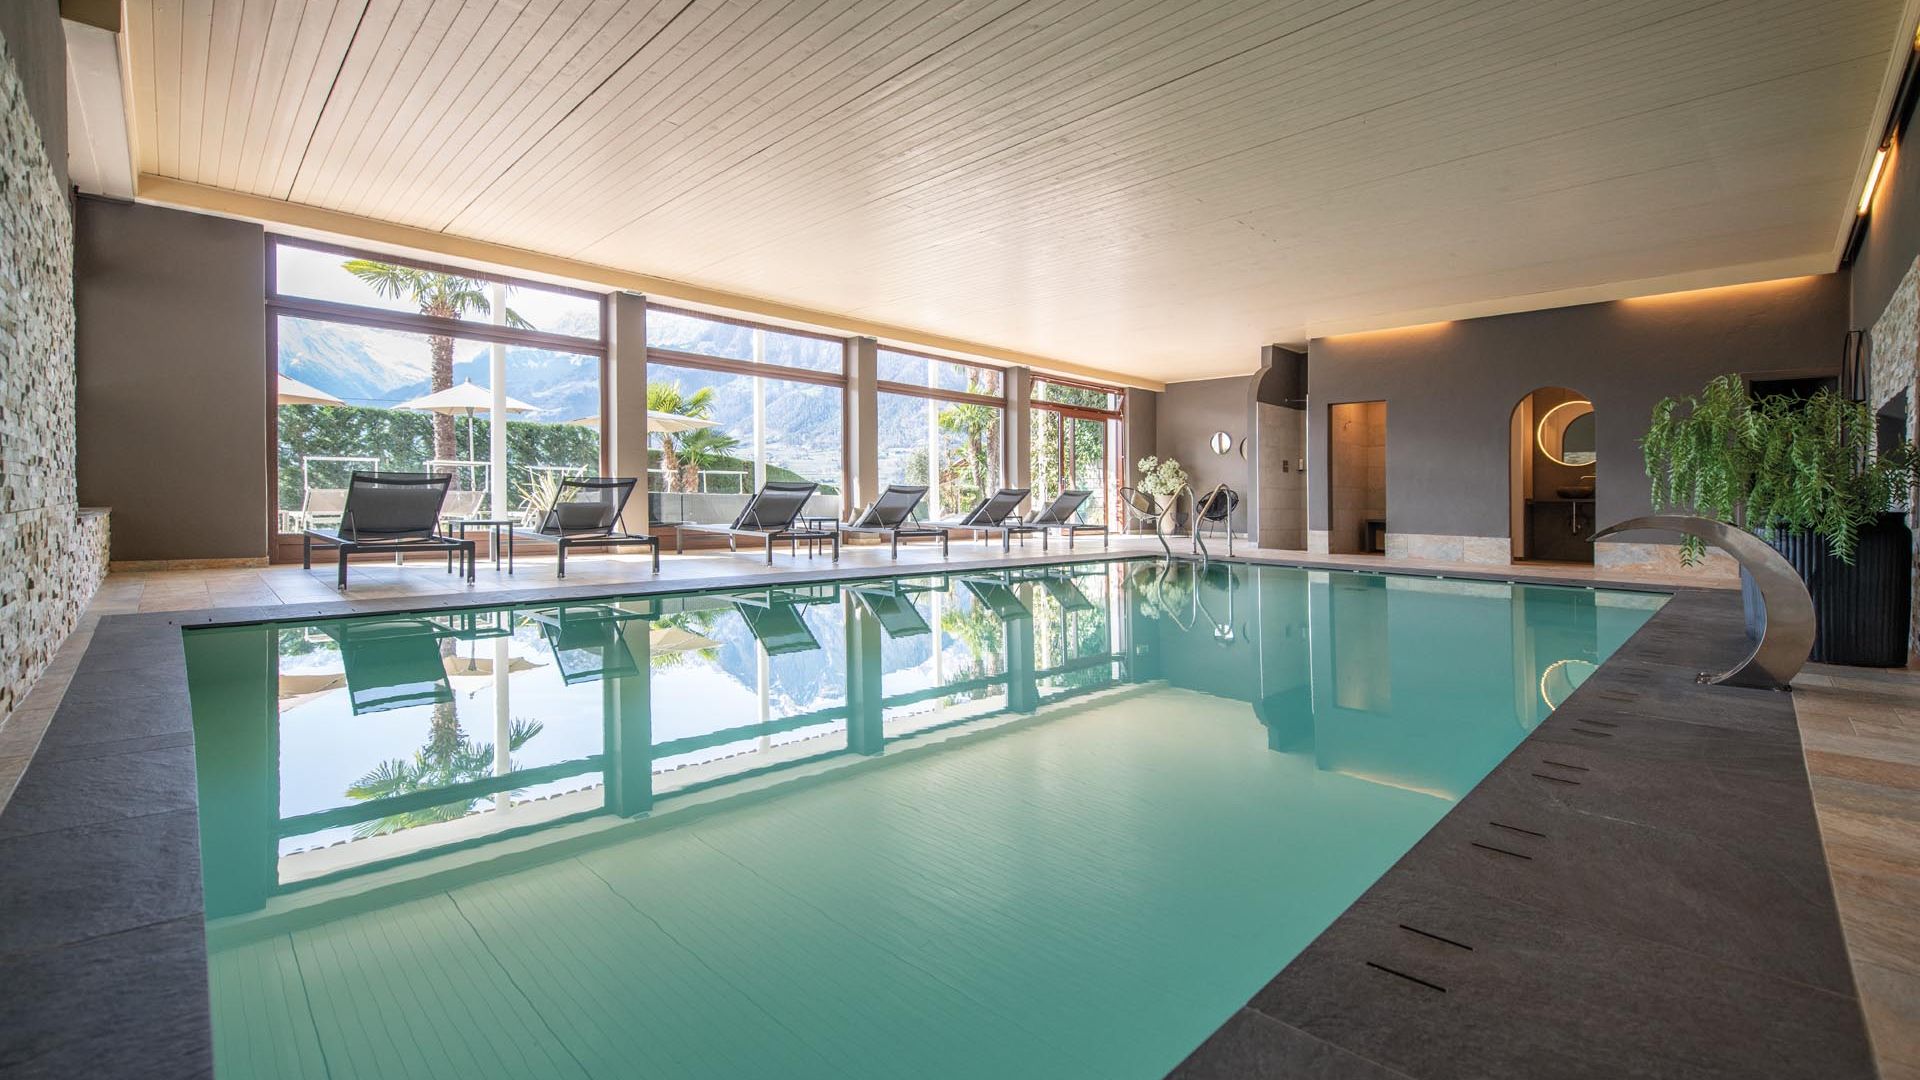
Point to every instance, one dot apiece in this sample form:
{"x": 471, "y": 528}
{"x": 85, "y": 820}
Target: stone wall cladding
{"x": 1894, "y": 341}
{"x": 47, "y": 573}
{"x": 1893, "y": 344}
{"x": 1442, "y": 547}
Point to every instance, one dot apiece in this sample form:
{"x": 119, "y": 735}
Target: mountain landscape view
{"x": 382, "y": 368}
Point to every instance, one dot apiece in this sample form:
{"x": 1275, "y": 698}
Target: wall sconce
{"x": 1222, "y": 443}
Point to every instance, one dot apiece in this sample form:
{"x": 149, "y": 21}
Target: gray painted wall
{"x": 1892, "y": 240}
{"x": 1142, "y": 426}
{"x": 1188, "y": 415}
{"x": 173, "y": 380}
{"x": 1451, "y": 387}
{"x": 39, "y": 49}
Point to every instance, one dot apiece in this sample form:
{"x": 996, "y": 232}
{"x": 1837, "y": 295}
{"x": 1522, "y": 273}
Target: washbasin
{"x": 1575, "y": 492}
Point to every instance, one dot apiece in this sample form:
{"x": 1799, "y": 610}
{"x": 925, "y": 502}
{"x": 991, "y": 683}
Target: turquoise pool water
{"x": 1039, "y": 823}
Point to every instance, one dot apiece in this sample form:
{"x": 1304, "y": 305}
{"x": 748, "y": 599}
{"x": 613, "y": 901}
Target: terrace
{"x": 1301, "y": 717}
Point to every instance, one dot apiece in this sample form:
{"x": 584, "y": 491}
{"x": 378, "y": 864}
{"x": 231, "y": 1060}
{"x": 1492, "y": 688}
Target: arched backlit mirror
{"x": 1566, "y": 433}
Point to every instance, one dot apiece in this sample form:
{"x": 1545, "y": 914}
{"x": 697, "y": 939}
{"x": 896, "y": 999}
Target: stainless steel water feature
{"x": 1787, "y": 637}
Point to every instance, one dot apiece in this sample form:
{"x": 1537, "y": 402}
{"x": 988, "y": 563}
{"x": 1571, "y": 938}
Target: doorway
{"x": 1357, "y": 478}
{"x": 1552, "y": 476}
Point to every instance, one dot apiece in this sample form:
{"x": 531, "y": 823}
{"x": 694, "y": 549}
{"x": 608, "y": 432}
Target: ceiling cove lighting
{"x": 1873, "y": 176}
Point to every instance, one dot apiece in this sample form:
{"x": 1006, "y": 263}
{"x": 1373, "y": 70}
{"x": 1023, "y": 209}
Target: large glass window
{"x": 1076, "y": 444}
{"x": 734, "y": 406}
{"x": 941, "y": 423}
{"x": 675, "y": 330}
{"x": 390, "y": 366}
{"x": 337, "y": 276}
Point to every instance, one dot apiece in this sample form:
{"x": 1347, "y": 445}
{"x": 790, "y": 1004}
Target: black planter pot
{"x": 1862, "y": 610}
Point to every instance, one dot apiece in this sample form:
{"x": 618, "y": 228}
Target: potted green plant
{"x": 1806, "y": 475}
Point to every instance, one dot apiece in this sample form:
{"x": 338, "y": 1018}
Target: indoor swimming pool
{"x": 1052, "y": 821}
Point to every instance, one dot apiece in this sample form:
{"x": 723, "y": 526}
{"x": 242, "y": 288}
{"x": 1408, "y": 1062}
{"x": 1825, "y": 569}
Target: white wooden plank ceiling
{"x": 1148, "y": 187}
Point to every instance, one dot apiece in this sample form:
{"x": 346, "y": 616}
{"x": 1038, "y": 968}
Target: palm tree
{"x": 702, "y": 450}
{"x": 965, "y": 480}
{"x": 443, "y": 296}
{"x": 667, "y": 397}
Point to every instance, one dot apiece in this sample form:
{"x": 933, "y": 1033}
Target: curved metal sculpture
{"x": 1787, "y": 639}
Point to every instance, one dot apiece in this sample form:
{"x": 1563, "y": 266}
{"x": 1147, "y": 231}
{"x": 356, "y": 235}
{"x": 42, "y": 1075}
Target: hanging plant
{"x": 1775, "y": 463}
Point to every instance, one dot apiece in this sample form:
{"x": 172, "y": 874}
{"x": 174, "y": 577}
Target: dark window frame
{"x": 683, "y": 358}
{"x": 730, "y": 366}
{"x": 888, "y": 386}
{"x": 279, "y": 305}
{"x": 1084, "y": 412}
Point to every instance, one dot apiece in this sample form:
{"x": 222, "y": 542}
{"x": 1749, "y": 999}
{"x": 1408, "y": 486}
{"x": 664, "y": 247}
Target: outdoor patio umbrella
{"x": 465, "y": 398}
{"x": 295, "y": 392}
{"x": 659, "y": 423}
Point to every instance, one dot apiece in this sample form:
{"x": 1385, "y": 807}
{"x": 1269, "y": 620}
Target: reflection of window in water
{"x": 1361, "y": 651}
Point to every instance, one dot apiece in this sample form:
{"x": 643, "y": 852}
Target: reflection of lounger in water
{"x": 1065, "y": 592}
{"x": 587, "y": 641}
{"x": 775, "y": 617}
{"x": 392, "y": 664}
{"x": 893, "y": 609}
{"x": 1001, "y": 600}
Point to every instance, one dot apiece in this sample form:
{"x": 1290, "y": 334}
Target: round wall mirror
{"x": 1222, "y": 443}
{"x": 1566, "y": 433}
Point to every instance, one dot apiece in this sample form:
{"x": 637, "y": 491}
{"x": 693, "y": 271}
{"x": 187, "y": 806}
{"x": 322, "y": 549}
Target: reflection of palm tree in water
{"x": 983, "y": 635}
{"x": 448, "y": 758}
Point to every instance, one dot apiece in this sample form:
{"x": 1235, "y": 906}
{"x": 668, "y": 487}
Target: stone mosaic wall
{"x": 1893, "y": 343}
{"x": 49, "y": 563}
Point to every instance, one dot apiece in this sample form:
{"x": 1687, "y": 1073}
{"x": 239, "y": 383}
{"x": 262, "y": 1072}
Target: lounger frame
{"x": 612, "y": 535}
{"x": 772, "y": 536}
{"x": 1060, "y": 517}
{"x": 907, "y": 529}
{"x": 347, "y": 540}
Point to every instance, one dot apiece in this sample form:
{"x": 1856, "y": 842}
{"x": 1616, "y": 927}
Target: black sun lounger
{"x": 995, "y": 515}
{"x": 390, "y": 513}
{"x": 768, "y": 516}
{"x": 891, "y": 517}
{"x": 1059, "y": 515}
{"x": 586, "y": 512}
